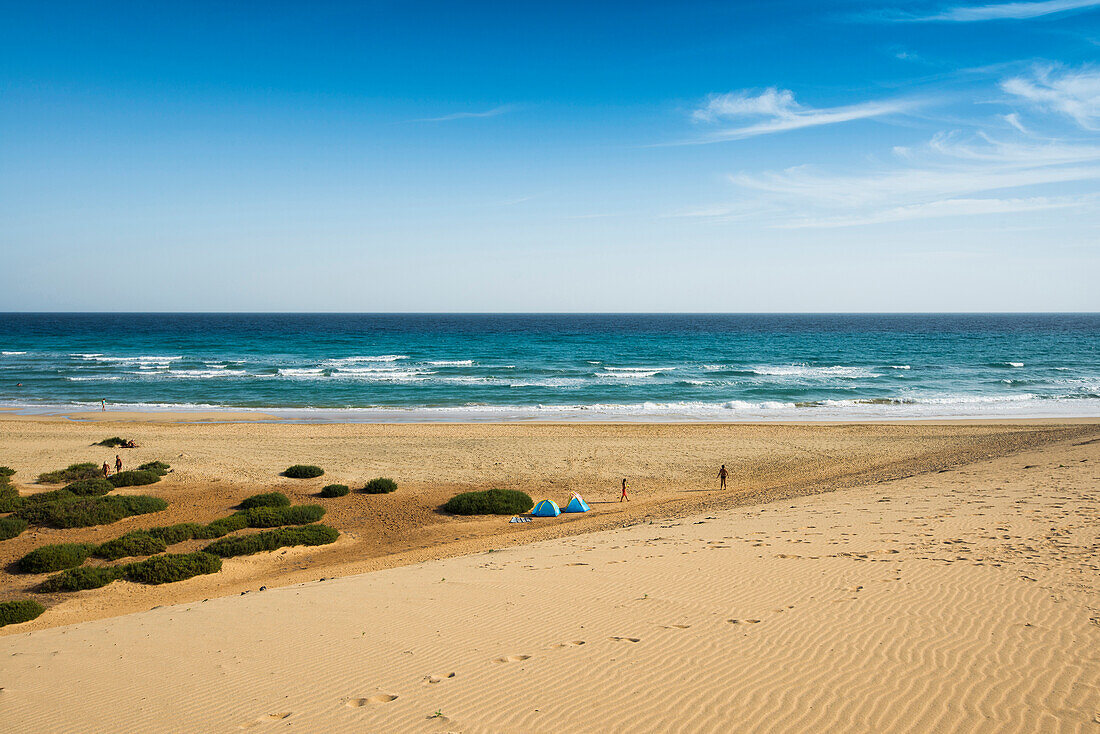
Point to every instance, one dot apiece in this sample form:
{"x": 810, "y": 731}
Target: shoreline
{"x": 670, "y": 466}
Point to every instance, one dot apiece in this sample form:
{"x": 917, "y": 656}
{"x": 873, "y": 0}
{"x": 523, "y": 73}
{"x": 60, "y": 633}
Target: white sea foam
{"x": 631, "y": 375}
{"x": 301, "y": 371}
{"x": 1015, "y": 364}
{"x": 337, "y": 362}
{"x": 103, "y": 378}
{"x": 452, "y": 363}
{"x": 11, "y": 354}
{"x": 900, "y": 367}
{"x": 808, "y": 371}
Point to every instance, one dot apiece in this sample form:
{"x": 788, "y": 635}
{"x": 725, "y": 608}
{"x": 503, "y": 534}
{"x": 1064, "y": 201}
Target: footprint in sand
{"x": 436, "y": 678}
{"x": 265, "y": 719}
{"x": 626, "y": 639}
{"x": 746, "y": 621}
{"x": 572, "y": 643}
{"x": 512, "y": 659}
{"x": 676, "y": 626}
{"x": 355, "y": 703}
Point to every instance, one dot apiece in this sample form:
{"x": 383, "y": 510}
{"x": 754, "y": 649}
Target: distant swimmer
{"x": 118, "y": 463}
{"x": 623, "y": 495}
{"x": 722, "y": 474}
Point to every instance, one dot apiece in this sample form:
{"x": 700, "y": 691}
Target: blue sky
{"x": 421, "y": 156}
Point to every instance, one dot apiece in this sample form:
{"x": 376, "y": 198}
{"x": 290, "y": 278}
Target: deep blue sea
{"x": 375, "y": 367}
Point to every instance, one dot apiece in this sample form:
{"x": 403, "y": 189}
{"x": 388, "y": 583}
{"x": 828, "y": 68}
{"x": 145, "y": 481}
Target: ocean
{"x": 469, "y": 367}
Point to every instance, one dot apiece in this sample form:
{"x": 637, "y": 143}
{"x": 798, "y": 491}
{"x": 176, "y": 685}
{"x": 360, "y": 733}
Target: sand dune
{"x": 966, "y": 600}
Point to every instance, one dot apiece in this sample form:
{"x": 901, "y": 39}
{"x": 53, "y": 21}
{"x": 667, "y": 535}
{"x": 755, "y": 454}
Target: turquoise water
{"x": 599, "y": 367}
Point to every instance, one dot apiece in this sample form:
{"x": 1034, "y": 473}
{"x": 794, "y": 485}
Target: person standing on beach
{"x": 106, "y": 470}
{"x": 103, "y": 405}
{"x": 722, "y": 474}
{"x": 118, "y": 463}
{"x": 623, "y": 495}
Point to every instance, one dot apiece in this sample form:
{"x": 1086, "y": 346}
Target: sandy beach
{"x": 947, "y": 584}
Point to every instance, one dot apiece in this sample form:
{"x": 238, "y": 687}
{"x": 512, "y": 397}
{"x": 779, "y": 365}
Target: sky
{"x": 787, "y": 156}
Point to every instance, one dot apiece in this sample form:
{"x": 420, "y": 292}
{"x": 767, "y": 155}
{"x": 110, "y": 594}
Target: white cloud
{"x": 781, "y": 113}
{"x": 467, "y": 115}
{"x": 1001, "y": 11}
{"x": 1074, "y": 93}
{"x": 934, "y": 209}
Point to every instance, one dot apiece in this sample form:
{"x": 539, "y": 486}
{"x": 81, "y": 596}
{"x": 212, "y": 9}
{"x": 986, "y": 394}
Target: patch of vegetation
{"x": 20, "y": 610}
{"x": 267, "y": 499}
{"x": 243, "y": 545}
{"x": 134, "y": 478}
{"x": 137, "y": 543}
{"x": 489, "y": 502}
{"x": 89, "y": 487}
{"x": 5, "y": 473}
{"x": 303, "y": 471}
{"x": 74, "y": 472}
{"x": 173, "y": 534}
{"x": 10, "y": 501}
{"x": 81, "y": 512}
{"x": 157, "y": 467}
{"x": 82, "y": 577}
{"x": 273, "y": 517}
{"x": 113, "y": 442}
{"x": 226, "y": 525}
{"x": 335, "y": 490}
{"x": 172, "y": 567}
{"x": 382, "y": 485}
{"x": 50, "y": 558}
{"x": 11, "y": 527}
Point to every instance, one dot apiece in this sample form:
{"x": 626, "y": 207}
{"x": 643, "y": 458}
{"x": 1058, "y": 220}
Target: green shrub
{"x": 50, "y": 558}
{"x": 382, "y": 485}
{"x": 134, "y": 478}
{"x": 90, "y": 487}
{"x": 113, "y": 442}
{"x": 137, "y": 543}
{"x": 10, "y": 501}
{"x": 157, "y": 467}
{"x": 86, "y": 470}
{"x": 5, "y": 472}
{"x": 335, "y": 490}
{"x": 172, "y": 567}
{"x": 36, "y": 509}
{"x": 273, "y": 517}
{"x": 230, "y": 524}
{"x": 81, "y": 512}
{"x": 11, "y": 527}
{"x": 489, "y": 502}
{"x": 303, "y": 471}
{"x": 243, "y": 545}
{"x": 82, "y": 577}
{"x": 268, "y": 499}
{"x": 20, "y": 610}
{"x": 173, "y": 534}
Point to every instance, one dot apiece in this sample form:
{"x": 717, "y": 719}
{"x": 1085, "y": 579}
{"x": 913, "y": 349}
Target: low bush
{"x": 137, "y": 543}
{"x": 5, "y": 472}
{"x": 113, "y": 442}
{"x": 268, "y": 499}
{"x": 273, "y": 517}
{"x": 86, "y": 470}
{"x": 82, "y": 577}
{"x": 11, "y": 527}
{"x": 173, "y": 534}
{"x": 90, "y": 487}
{"x": 20, "y": 610}
{"x": 382, "y": 485}
{"x": 10, "y": 501}
{"x": 157, "y": 467}
{"x": 81, "y": 512}
{"x": 50, "y": 558}
{"x": 489, "y": 502}
{"x": 134, "y": 478}
{"x": 335, "y": 490}
{"x": 37, "y": 508}
{"x": 172, "y": 567}
{"x": 243, "y": 545}
{"x": 226, "y": 525}
{"x": 303, "y": 471}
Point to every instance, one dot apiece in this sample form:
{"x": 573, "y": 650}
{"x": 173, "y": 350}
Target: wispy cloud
{"x": 775, "y": 110}
{"x": 1073, "y": 93}
{"x": 467, "y": 115}
{"x": 999, "y": 11}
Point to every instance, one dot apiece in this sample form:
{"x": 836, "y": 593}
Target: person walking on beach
{"x": 722, "y": 474}
{"x": 106, "y": 470}
{"x": 103, "y": 405}
{"x": 118, "y": 463}
{"x": 623, "y": 495}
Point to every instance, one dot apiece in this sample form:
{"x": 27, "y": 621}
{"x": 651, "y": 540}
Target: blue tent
{"x": 577, "y": 504}
{"x": 546, "y": 508}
